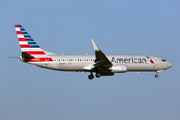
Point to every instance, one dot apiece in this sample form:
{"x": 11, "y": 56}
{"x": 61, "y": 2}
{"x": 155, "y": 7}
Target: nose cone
{"x": 169, "y": 65}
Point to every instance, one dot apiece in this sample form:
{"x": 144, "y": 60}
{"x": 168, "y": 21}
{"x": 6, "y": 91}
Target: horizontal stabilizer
{"x": 26, "y": 55}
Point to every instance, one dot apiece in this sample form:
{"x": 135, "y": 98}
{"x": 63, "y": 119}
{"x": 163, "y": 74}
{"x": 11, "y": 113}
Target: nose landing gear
{"x": 156, "y": 76}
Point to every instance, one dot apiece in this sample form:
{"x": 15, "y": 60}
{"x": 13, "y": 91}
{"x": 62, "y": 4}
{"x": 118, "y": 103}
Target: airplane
{"x": 100, "y": 64}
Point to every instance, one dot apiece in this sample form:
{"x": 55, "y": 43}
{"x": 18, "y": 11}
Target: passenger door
{"x": 46, "y": 61}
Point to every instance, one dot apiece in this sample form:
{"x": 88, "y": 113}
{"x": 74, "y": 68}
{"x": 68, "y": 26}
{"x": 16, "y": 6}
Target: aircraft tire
{"x": 98, "y": 75}
{"x": 91, "y": 77}
{"x": 156, "y": 76}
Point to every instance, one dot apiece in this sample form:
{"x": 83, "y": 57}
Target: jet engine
{"x": 118, "y": 68}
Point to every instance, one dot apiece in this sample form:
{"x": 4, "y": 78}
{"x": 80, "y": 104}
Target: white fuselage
{"x": 81, "y": 62}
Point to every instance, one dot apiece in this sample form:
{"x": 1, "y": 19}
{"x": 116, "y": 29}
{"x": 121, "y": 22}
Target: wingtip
{"x": 95, "y": 46}
{"x": 92, "y": 40}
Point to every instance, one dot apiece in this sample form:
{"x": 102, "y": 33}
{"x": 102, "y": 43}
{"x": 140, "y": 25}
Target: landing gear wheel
{"x": 98, "y": 75}
{"x": 156, "y": 76}
{"x": 91, "y": 77}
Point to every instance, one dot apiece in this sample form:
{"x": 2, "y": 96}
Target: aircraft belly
{"x": 139, "y": 67}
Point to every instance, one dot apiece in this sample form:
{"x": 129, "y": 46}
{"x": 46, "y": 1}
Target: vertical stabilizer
{"x": 31, "y": 52}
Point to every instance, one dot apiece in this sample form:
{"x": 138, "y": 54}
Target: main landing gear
{"x": 98, "y": 75}
{"x": 91, "y": 76}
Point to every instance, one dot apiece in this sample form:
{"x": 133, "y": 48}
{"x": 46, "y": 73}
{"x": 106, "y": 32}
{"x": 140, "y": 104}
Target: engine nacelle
{"x": 120, "y": 68}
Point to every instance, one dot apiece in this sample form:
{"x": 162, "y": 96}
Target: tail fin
{"x": 26, "y": 41}
{"x": 30, "y": 49}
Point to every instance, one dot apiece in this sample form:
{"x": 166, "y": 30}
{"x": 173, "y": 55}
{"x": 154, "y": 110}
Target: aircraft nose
{"x": 169, "y": 65}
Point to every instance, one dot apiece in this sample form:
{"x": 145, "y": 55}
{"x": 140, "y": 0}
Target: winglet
{"x": 101, "y": 58}
{"x": 95, "y": 46}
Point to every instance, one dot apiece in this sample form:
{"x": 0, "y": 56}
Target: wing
{"x": 101, "y": 60}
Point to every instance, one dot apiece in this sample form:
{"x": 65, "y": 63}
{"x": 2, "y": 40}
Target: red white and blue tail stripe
{"x": 31, "y": 52}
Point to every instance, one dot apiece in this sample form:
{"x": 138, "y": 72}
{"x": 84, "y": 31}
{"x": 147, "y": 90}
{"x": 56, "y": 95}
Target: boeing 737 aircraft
{"x": 101, "y": 64}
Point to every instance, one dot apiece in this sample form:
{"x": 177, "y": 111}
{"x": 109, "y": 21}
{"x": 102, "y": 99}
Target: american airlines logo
{"x": 129, "y": 60}
{"x": 150, "y": 59}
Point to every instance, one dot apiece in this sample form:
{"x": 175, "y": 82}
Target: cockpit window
{"x": 163, "y": 60}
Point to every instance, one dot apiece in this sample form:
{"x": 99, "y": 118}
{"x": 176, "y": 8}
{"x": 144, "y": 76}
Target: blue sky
{"x": 67, "y": 26}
